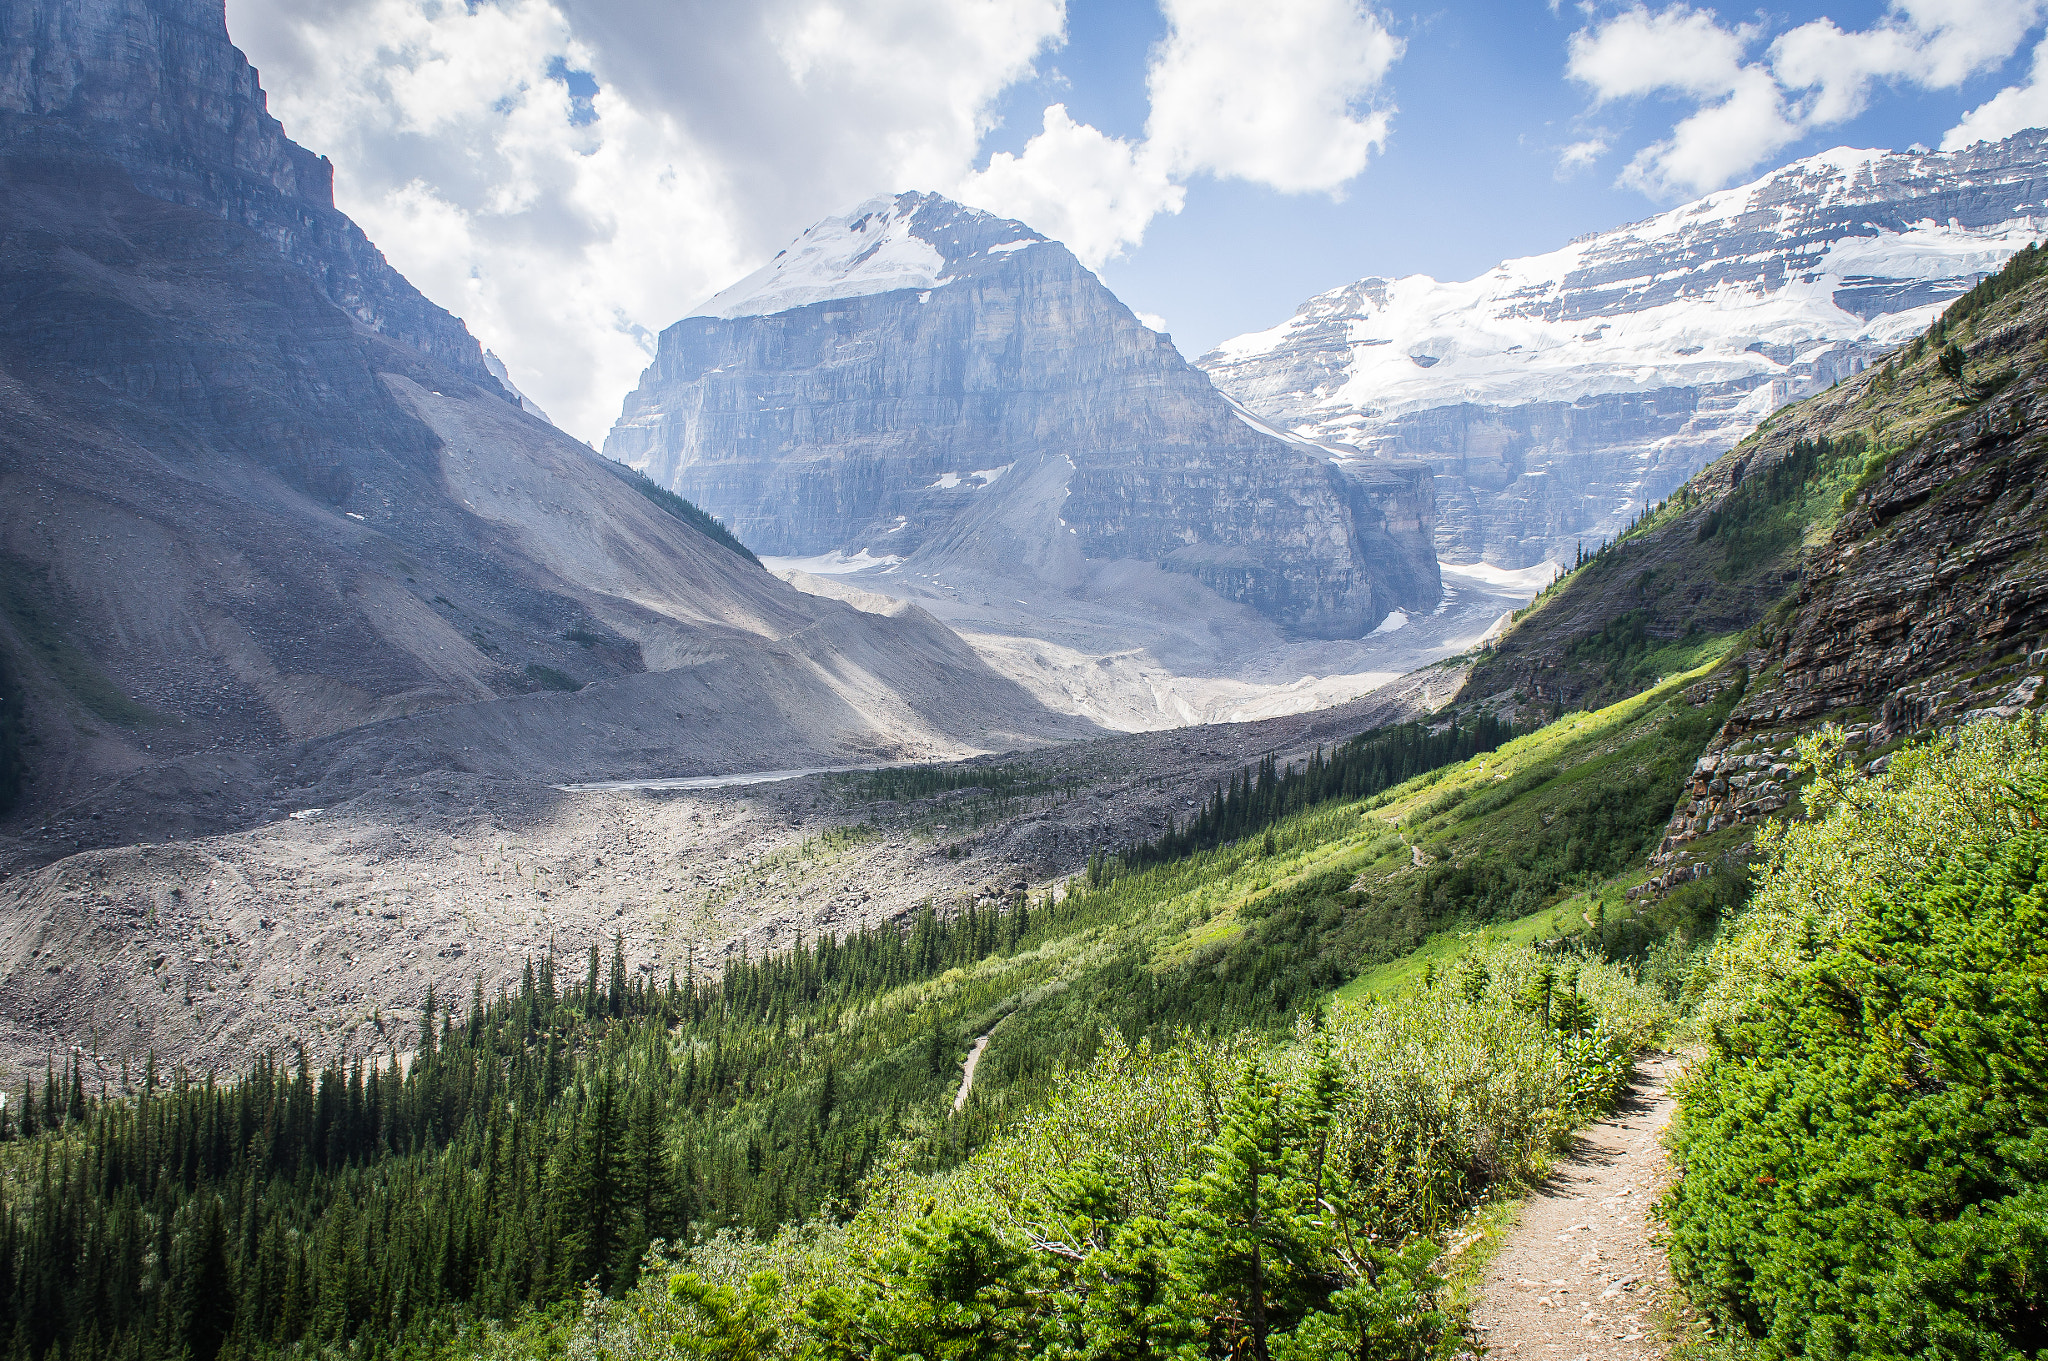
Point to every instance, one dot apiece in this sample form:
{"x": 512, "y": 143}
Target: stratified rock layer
{"x": 989, "y": 396}
{"x": 1927, "y": 607}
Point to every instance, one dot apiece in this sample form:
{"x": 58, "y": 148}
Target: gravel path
{"x": 1579, "y": 1277}
{"x": 967, "y": 1078}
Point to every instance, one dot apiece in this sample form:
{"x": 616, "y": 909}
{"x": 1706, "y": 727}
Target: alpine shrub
{"x": 1865, "y": 1152}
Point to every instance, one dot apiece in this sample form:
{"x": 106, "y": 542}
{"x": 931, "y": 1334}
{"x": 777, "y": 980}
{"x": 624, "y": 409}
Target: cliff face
{"x": 1926, "y": 607}
{"x": 157, "y": 87}
{"x": 1558, "y": 394}
{"x": 916, "y": 368}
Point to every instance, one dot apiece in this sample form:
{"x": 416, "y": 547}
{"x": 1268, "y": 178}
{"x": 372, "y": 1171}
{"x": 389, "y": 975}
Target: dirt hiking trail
{"x": 1579, "y": 1278}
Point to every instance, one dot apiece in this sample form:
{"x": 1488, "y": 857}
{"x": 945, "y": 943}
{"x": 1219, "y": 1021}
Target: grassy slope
{"x": 1240, "y": 937}
{"x": 1664, "y": 589}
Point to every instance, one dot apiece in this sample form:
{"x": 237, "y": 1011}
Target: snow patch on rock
{"x": 868, "y": 250}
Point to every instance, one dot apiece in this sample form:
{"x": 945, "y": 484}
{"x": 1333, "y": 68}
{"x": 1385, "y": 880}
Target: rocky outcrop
{"x": 157, "y": 87}
{"x": 1874, "y": 554}
{"x": 918, "y": 379}
{"x": 1558, "y": 394}
{"x": 1927, "y": 607}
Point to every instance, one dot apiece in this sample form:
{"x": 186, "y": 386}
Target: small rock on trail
{"x": 1579, "y": 1278}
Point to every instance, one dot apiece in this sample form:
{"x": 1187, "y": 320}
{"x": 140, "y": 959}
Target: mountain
{"x": 271, "y": 531}
{"x": 1870, "y": 558}
{"x": 921, "y": 401}
{"x": 155, "y": 87}
{"x": 915, "y": 374}
{"x": 1558, "y": 394}
{"x": 496, "y": 367}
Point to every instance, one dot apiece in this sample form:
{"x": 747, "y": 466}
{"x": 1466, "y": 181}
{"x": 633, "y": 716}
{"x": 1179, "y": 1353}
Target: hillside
{"x": 270, "y": 535}
{"x": 1872, "y": 554}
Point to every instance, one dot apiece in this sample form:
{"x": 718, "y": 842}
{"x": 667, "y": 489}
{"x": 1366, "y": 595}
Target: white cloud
{"x": 1810, "y": 77}
{"x": 2008, "y": 111}
{"x": 1719, "y": 142}
{"x": 1275, "y": 94}
{"x": 567, "y": 231}
{"x": 1279, "y": 96}
{"x": 1093, "y": 192}
{"x": 1578, "y": 155}
{"x": 1638, "y": 53}
{"x": 568, "y": 221}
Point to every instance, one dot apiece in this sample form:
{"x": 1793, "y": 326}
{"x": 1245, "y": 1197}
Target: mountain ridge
{"x": 868, "y": 388}
{"x": 258, "y": 547}
{"x": 1872, "y": 553}
{"x": 1558, "y": 393}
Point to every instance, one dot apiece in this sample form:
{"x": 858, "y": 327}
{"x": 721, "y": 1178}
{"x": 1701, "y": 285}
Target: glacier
{"x": 1558, "y": 393}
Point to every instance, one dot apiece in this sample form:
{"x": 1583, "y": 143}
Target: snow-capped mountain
{"x": 879, "y": 247}
{"x": 926, "y": 386}
{"x": 1557, "y": 393}
{"x": 275, "y": 508}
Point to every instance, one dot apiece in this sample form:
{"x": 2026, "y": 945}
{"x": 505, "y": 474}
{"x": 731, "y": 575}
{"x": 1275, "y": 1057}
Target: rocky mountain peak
{"x": 918, "y": 377}
{"x": 157, "y": 87}
{"x": 900, "y": 241}
{"x": 1558, "y": 393}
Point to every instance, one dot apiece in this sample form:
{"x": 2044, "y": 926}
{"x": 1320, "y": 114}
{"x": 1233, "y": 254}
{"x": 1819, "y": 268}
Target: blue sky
{"x": 1469, "y": 175}
{"x": 571, "y": 176}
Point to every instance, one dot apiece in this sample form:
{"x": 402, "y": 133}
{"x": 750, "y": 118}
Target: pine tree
{"x": 594, "y": 1198}
{"x": 205, "y": 1292}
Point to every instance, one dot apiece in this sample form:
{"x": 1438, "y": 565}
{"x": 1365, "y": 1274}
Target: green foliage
{"x": 1861, "y": 834}
{"x": 1202, "y": 1198}
{"x": 1866, "y": 1148}
{"x": 1629, "y": 658}
{"x": 2022, "y": 269}
{"x": 796, "y": 1116}
{"x": 732, "y": 1325}
{"x": 1255, "y": 798}
{"x": 689, "y": 512}
{"x": 1691, "y": 912}
{"x": 531, "y": 1146}
{"x": 548, "y": 678}
{"x": 1765, "y": 516}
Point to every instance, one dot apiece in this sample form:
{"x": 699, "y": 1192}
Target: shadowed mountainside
{"x": 257, "y": 546}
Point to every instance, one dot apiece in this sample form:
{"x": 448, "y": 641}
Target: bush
{"x": 1118, "y": 1218}
{"x": 1865, "y": 1148}
{"x": 1861, "y": 835}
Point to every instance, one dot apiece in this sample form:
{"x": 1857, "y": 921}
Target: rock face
{"x": 1926, "y": 607}
{"x": 257, "y": 553}
{"x": 917, "y": 379}
{"x": 1558, "y": 394}
{"x": 1904, "y": 592}
{"x": 155, "y": 86}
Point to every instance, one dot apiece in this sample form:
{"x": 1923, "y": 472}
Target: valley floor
{"x": 1129, "y": 664}
{"x": 313, "y": 929}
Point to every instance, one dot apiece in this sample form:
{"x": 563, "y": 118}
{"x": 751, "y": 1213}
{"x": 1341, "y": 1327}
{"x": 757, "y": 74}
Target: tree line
{"x": 1258, "y": 796}
{"x": 519, "y": 1149}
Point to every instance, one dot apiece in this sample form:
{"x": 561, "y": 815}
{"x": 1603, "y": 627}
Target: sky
{"x": 571, "y": 176}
